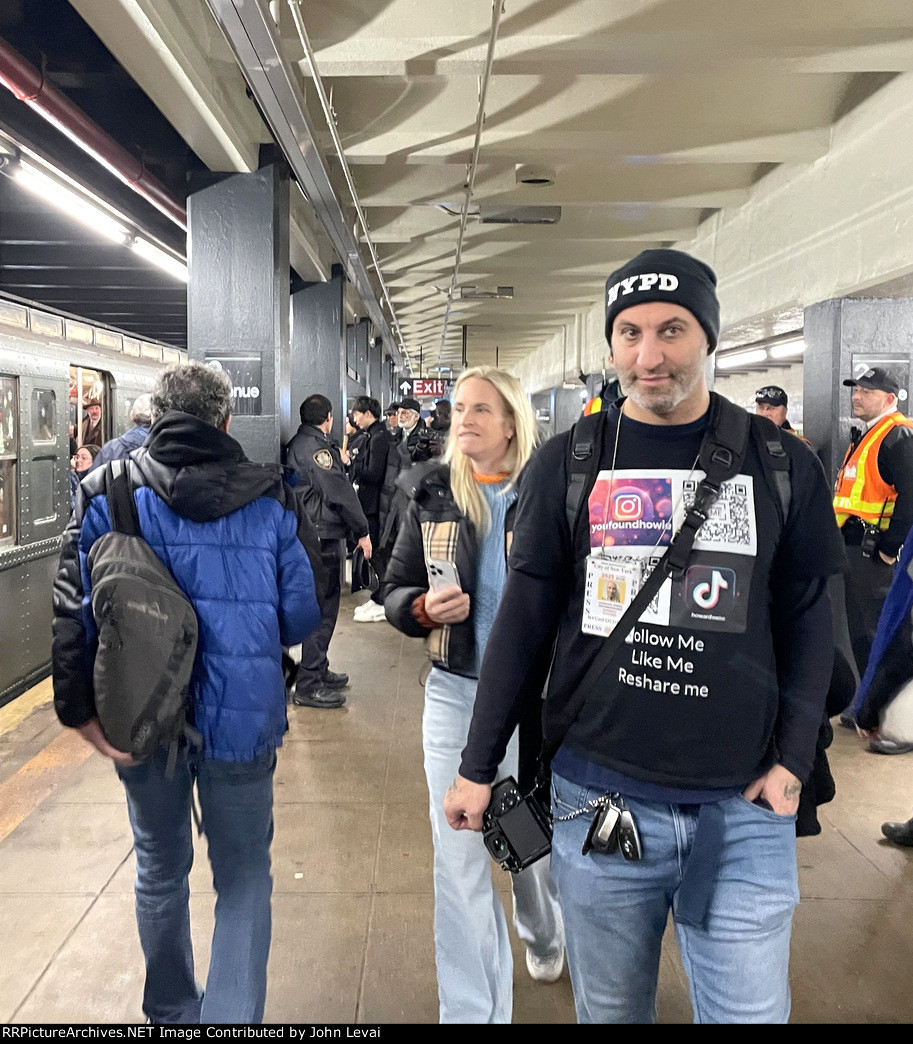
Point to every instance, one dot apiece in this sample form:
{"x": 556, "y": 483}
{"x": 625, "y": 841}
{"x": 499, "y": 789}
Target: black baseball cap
{"x": 772, "y": 394}
{"x": 411, "y": 404}
{"x": 875, "y": 378}
{"x": 391, "y": 409}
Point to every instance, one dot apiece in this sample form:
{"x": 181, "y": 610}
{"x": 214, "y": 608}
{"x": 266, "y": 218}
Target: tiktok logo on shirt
{"x": 711, "y": 590}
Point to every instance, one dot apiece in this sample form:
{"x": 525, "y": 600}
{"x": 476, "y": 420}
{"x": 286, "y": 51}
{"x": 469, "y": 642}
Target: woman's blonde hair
{"x": 470, "y": 500}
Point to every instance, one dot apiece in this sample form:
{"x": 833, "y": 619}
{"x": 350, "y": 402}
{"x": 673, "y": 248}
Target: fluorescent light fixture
{"x": 729, "y": 362}
{"x": 786, "y": 351}
{"x": 167, "y": 262}
{"x": 71, "y": 203}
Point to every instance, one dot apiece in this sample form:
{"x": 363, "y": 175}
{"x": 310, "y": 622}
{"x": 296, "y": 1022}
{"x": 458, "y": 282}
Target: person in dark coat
{"x": 368, "y": 473}
{"x": 90, "y": 430}
{"x": 332, "y": 505}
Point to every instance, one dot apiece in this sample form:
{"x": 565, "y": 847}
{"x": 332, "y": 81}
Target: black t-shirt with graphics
{"x": 707, "y": 699}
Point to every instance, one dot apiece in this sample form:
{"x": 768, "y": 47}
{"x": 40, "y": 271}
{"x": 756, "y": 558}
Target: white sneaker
{"x": 373, "y": 614}
{"x": 362, "y": 611}
{"x": 545, "y": 969}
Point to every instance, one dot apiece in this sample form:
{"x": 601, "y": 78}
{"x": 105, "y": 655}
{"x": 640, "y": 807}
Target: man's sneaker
{"x": 362, "y": 611}
{"x": 373, "y": 614}
{"x": 545, "y": 969}
{"x": 847, "y": 720}
{"x": 331, "y": 680}
{"x": 321, "y": 698}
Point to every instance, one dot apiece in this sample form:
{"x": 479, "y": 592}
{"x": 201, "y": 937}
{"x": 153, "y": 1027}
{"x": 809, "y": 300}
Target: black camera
{"x": 869, "y": 542}
{"x": 517, "y": 829}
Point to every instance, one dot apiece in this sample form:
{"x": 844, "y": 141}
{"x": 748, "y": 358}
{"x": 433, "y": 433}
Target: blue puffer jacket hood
{"x": 233, "y": 537}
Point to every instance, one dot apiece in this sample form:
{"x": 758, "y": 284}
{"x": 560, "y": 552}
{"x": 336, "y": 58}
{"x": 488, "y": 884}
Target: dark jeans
{"x": 867, "y": 583}
{"x": 314, "y": 663}
{"x": 236, "y": 799}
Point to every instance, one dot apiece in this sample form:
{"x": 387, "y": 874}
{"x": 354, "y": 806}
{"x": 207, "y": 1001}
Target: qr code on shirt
{"x": 730, "y": 524}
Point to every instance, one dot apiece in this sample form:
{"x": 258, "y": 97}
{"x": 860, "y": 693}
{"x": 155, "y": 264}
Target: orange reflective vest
{"x": 860, "y": 489}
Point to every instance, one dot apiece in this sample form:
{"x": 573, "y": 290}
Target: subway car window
{"x": 88, "y": 421}
{"x": 9, "y": 445}
{"x": 44, "y": 415}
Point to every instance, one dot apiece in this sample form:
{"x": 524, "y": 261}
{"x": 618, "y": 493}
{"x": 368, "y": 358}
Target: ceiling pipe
{"x": 29, "y": 85}
{"x": 326, "y": 105}
{"x": 496, "y": 12}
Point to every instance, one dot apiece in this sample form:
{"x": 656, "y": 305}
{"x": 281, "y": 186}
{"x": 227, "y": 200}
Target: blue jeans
{"x": 615, "y": 912}
{"x": 472, "y": 945}
{"x": 236, "y": 800}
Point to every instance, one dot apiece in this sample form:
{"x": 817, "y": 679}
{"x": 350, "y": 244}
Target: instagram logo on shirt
{"x": 627, "y": 505}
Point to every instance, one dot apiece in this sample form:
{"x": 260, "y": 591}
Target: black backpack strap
{"x": 775, "y": 462}
{"x": 119, "y": 494}
{"x": 584, "y": 457}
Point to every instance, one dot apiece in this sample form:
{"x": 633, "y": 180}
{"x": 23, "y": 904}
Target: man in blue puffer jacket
{"x": 234, "y": 539}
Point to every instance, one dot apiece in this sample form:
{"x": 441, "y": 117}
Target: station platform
{"x": 352, "y": 901}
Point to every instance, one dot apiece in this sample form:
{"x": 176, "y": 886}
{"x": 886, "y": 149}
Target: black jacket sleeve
{"x": 895, "y": 462}
{"x": 342, "y": 499}
{"x": 518, "y": 653}
{"x": 372, "y": 461}
{"x": 406, "y": 576}
{"x": 71, "y": 655}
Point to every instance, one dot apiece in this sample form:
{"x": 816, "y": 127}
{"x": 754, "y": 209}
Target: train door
{"x": 9, "y": 456}
{"x": 43, "y": 456}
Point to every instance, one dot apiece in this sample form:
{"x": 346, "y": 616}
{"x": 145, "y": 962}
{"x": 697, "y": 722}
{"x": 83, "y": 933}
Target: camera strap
{"x": 721, "y": 454}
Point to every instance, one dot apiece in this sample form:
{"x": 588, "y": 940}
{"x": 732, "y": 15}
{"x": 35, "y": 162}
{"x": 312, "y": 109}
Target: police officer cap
{"x": 665, "y": 275}
{"x": 772, "y": 394}
{"x": 875, "y": 378}
{"x": 411, "y": 404}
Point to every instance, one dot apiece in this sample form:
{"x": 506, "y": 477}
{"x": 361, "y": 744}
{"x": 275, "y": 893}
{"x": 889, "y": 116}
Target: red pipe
{"x": 29, "y": 85}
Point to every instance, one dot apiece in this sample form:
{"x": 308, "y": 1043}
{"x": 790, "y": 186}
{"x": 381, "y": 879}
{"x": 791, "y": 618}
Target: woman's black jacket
{"x": 435, "y": 528}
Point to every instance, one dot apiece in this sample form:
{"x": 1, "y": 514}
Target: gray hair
{"x": 194, "y": 388}
{"x": 141, "y": 411}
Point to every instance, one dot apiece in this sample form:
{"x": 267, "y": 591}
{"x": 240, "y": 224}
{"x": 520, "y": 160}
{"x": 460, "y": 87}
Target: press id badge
{"x": 610, "y": 588}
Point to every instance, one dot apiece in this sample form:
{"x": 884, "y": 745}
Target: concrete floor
{"x": 352, "y": 906}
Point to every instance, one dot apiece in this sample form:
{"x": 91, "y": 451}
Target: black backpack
{"x": 147, "y": 634}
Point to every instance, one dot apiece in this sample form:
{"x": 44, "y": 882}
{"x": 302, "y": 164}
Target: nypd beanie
{"x": 665, "y": 275}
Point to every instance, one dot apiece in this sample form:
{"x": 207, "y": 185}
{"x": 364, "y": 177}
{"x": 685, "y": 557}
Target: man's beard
{"x": 665, "y": 400}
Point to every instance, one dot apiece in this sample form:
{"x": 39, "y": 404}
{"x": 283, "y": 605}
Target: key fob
{"x": 628, "y": 837}
{"x": 601, "y": 837}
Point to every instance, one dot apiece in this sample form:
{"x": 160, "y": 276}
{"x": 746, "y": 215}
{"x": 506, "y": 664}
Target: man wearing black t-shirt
{"x": 704, "y": 724}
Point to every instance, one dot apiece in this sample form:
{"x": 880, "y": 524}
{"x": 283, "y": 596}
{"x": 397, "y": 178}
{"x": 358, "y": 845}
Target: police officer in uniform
{"x": 874, "y": 503}
{"x": 333, "y": 507}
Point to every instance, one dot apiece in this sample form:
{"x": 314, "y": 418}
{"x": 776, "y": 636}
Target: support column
{"x": 237, "y": 299}
{"x": 568, "y": 408}
{"x": 318, "y": 347}
{"x": 843, "y": 337}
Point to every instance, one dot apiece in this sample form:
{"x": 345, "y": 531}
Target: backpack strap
{"x": 775, "y": 462}
{"x": 119, "y": 494}
{"x": 584, "y": 457}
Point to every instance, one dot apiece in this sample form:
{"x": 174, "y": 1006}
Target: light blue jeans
{"x": 236, "y": 800}
{"x": 472, "y": 945}
{"x": 615, "y": 912}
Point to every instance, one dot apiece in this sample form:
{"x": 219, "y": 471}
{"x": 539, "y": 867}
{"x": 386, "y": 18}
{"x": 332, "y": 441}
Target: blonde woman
{"x": 457, "y": 532}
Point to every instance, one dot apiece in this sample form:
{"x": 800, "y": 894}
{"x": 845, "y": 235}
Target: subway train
{"x": 51, "y": 367}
